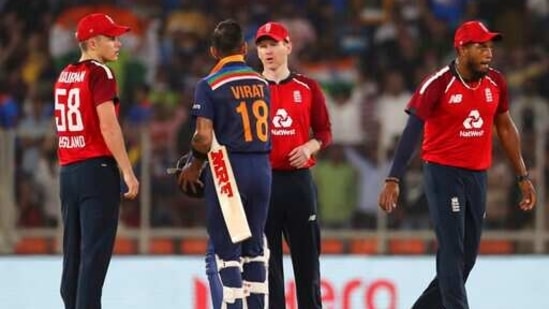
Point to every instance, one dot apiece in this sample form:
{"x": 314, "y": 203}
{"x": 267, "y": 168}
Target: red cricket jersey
{"x": 459, "y": 119}
{"x": 298, "y": 109}
{"x": 79, "y": 89}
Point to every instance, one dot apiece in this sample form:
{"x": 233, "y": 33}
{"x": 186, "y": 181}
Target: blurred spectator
{"x": 46, "y": 178}
{"x": 500, "y": 180}
{"x": 345, "y": 115}
{"x": 9, "y": 109}
{"x": 35, "y": 126}
{"x": 413, "y": 213}
{"x": 36, "y": 60}
{"x": 336, "y": 188}
{"x": 530, "y": 110}
{"x": 301, "y": 29}
{"x": 451, "y": 11}
{"x": 369, "y": 180}
{"x": 29, "y": 202}
{"x": 352, "y": 47}
{"x": 390, "y": 110}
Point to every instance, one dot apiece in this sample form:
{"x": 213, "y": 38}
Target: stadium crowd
{"x": 368, "y": 56}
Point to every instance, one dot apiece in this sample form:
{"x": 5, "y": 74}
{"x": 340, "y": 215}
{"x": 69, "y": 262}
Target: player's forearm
{"x": 203, "y": 136}
{"x": 201, "y": 142}
{"x": 324, "y": 137}
{"x": 313, "y": 145}
{"x": 115, "y": 142}
{"x": 406, "y": 146}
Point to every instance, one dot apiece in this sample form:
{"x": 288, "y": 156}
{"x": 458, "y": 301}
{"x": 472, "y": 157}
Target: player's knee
{"x": 255, "y": 274}
{"x": 229, "y": 273}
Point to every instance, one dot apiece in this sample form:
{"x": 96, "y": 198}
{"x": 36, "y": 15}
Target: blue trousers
{"x": 253, "y": 176}
{"x": 90, "y": 199}
{"x": 457, "y": 204}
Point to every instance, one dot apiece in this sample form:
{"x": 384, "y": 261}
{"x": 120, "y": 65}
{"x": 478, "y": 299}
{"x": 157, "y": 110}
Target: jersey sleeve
{"x": 102, "y": 85}
{"x": 425, "y": 99}
{"x": 203, "y": 103}
{"x": 320, "y": 119}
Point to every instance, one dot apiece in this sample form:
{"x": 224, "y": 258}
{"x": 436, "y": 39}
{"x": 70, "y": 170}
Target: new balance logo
{"x": 455, "y": 204}
{"x": 455, "y": 98}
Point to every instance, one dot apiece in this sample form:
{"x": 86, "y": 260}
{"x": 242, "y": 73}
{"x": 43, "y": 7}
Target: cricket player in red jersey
{"x": 297, "y": 109}
{"x": 456, "y": 109}
{"x": 92, "y": 154}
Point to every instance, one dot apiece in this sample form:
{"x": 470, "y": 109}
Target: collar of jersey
{"x": 224, "y": 61}
{"x": 454, "y": 71}
{"x": 283, "y": 81}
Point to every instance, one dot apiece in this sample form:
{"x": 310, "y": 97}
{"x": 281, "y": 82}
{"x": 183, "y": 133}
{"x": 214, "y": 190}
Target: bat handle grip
{"x": 172, "y": 170}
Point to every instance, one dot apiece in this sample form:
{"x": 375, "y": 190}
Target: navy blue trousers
{"x": 457, "y": 204}
{"x": 90, "y": 201}
{"x": 253, "y": 176}
{"x": 293, "y": 215}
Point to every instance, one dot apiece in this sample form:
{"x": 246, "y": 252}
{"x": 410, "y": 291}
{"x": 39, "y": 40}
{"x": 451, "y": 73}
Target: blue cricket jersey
{"x": 237, "y": 100}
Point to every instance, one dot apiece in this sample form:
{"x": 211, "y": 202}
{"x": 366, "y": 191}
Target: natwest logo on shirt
{"x": 281, "y": 123}
{"x": 473, "y": 125}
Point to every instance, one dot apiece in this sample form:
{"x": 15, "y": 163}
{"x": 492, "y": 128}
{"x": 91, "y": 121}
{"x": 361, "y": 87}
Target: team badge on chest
{"x": 297, "y": 96}
{"x": 488, "y": 95}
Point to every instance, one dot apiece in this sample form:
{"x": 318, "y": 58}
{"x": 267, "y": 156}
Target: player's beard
{"x": 476, "y": 72}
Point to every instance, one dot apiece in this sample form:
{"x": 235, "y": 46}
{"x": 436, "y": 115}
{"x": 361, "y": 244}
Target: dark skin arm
{"x": 201, "y": 142}
{"x": 510, "y": 141}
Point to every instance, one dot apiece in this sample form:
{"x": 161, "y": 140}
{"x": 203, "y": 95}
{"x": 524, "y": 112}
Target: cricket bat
{"x": 227, "y": 192}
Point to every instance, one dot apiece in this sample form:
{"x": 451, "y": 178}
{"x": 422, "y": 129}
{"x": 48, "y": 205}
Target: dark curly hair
{"x": 227, "y": 38}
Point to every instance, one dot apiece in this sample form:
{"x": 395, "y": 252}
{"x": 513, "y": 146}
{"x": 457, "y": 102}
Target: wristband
{"x": 392, "y": 179}
{"x": 199, "y": 155}
{"x": 522, "y": 178}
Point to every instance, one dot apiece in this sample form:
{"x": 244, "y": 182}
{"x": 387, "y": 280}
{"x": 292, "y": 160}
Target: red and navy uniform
{"x": 297, "y": 108}
{"x": 298, "y": 113}
{"x": 458, "y": 118}
{"x": 79, "y": 89}
{"x": 236, "y": 99}
{"x": 89, "y": 181}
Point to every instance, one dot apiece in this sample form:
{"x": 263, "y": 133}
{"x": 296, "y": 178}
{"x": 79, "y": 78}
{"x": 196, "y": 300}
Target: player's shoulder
{"x": 99, "y": 69}
{"x": 84, "y": 71}
{"x": 496, "y": 77}
{"x": 438, "y": 79}
{"x": 303, "y": 80}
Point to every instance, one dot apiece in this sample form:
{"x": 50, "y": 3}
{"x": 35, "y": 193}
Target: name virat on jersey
{"x": 248, "y": 91}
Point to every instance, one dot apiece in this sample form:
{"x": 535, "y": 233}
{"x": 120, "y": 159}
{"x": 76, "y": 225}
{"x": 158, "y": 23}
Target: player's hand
{"x": 189, "y": 178}
{"x": 132, "y": 184}
{"x": 389, "y": 196}
{"x": 528, "y": 200}
{"x": 300, "y": 155}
